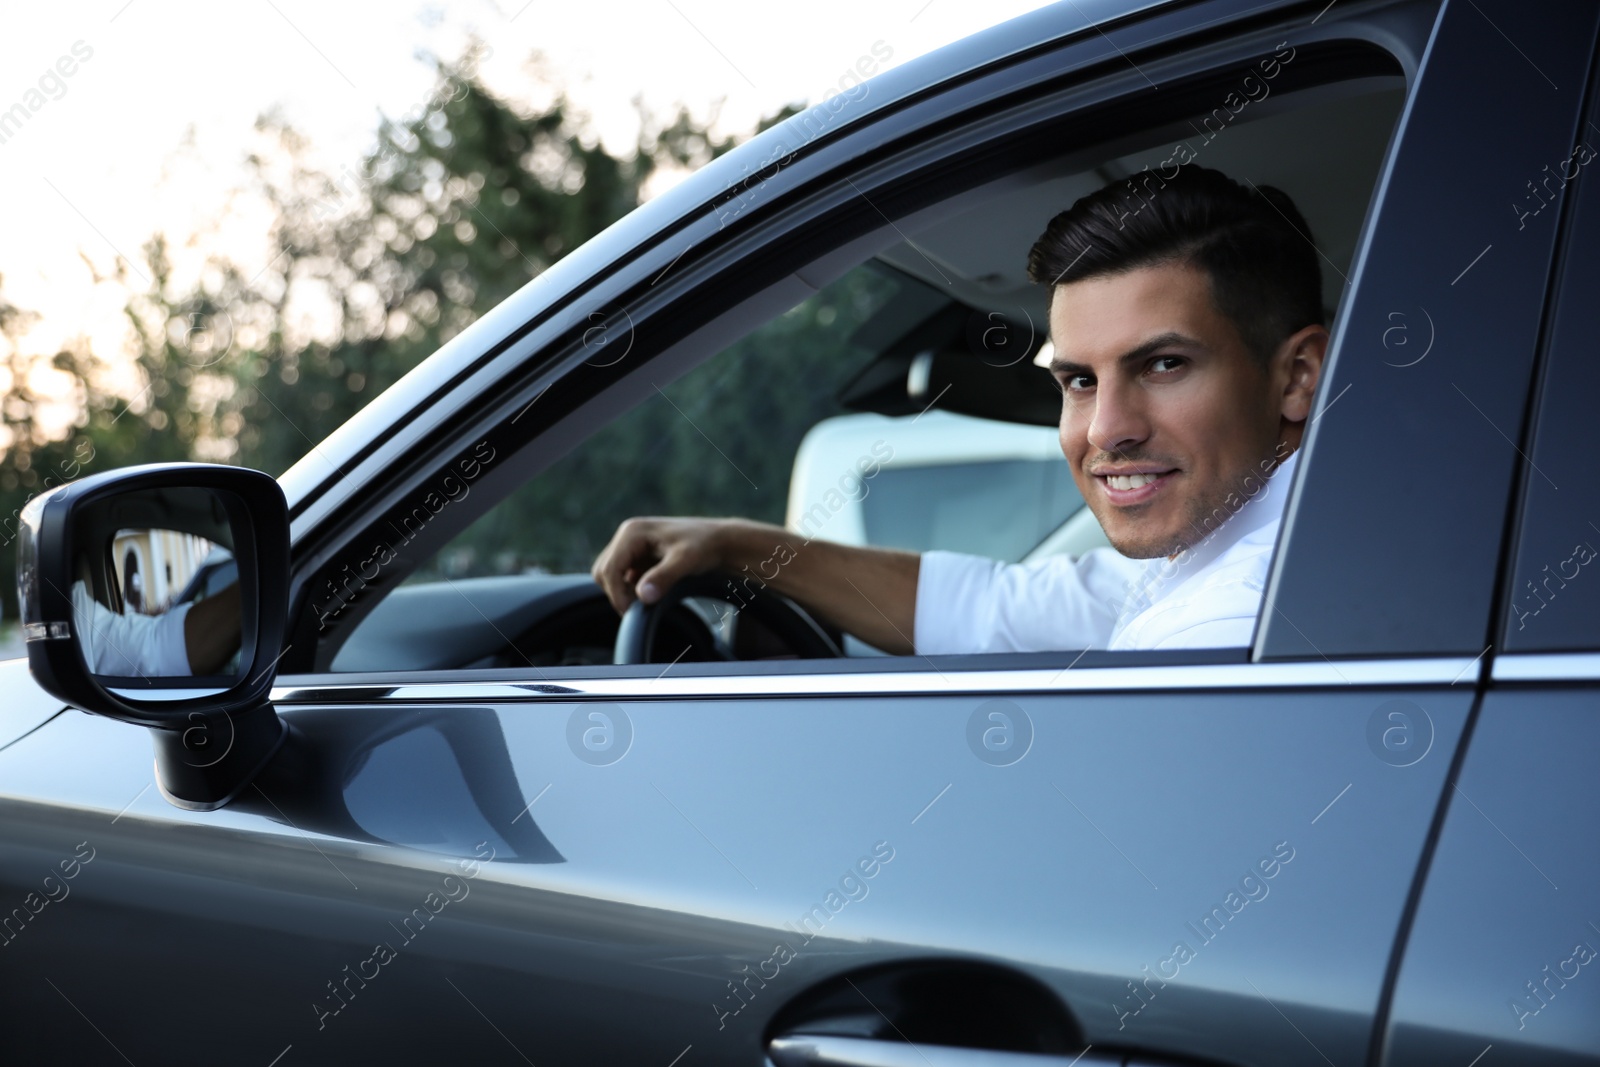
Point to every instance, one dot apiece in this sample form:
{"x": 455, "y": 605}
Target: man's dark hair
{"x": 1252, "y": 242}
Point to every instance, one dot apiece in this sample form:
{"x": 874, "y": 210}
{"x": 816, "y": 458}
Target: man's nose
{"x": 1119, "y": 420}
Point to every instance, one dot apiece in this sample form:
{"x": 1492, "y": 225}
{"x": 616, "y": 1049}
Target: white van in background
{"x": 939, "y": 481}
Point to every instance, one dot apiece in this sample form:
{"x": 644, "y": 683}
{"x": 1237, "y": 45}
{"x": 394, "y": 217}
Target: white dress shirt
{"x": 1207, "y": 596}
{"x": 131, "y": 645}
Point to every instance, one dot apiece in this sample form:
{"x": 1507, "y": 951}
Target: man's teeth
{"x": 1130, "y": 481}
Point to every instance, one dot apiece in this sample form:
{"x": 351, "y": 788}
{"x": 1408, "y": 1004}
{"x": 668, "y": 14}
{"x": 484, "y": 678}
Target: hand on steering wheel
{"x": 636, "y": 637}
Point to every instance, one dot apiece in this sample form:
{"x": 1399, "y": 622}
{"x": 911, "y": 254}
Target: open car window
{"x": 903, "y": 404}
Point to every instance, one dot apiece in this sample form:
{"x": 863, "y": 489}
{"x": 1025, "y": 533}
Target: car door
{"x": 1501, "y": 953}
{"x": 1176, "y": 857}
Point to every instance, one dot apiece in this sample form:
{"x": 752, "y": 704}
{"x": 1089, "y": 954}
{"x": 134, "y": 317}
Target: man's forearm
{"x": 211, "y": 630}
{"x": 868, "y": 592}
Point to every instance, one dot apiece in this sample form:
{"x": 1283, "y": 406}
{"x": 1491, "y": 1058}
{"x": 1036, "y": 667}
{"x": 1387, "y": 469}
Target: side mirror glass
{"x": 152, "y": 604}
{"x": 155, "y": 595}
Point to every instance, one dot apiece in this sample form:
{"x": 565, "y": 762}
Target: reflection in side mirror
{"x": 157, "y": 601}
{"x": 157, "y": 595}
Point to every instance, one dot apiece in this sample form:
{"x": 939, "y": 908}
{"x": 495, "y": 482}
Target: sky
{"x": 141, "y": 112}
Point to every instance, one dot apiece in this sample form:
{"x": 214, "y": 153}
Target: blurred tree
{"x": 459, "y": 204}
{"x": 454, "y": 210}
{"x": 160, "y": 421}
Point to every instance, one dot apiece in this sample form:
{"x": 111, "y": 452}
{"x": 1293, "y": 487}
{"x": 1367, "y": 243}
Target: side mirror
{"x": 157, "y": 595}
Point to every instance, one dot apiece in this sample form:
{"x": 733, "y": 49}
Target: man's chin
{"x": 1145, "y": 549}
{"x": 1144, "y": 546}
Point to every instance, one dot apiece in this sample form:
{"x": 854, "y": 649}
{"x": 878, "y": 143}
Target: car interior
{"x": 944, "y": 319}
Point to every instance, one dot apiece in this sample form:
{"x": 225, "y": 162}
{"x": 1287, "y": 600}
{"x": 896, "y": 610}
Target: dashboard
{"x": 533, "y": 620}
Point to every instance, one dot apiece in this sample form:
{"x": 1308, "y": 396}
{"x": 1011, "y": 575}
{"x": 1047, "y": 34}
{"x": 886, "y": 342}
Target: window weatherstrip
{"x": 1548, "y": 667}
{"x": 1221, "y": 676}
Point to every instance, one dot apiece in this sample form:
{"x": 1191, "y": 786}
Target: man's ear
{"x": 1298, "y": 365}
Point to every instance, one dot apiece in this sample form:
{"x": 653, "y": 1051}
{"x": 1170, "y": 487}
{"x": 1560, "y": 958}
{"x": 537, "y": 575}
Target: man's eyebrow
{"x": 1170, "y": 339}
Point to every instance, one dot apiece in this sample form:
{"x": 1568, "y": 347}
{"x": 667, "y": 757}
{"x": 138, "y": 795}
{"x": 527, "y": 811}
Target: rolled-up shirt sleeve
{"x": 129, "y": 645}
{"x": 968, "y": 604}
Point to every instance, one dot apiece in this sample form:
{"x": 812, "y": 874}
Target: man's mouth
{"x": 1133, "y": 487}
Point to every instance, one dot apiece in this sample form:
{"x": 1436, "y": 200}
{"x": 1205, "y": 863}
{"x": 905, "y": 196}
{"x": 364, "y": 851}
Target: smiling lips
{"x": 1133, "y": 487}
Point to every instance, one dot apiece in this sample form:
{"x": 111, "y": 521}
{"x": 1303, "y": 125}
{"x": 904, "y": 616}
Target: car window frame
{"x": 1107, "y": 92}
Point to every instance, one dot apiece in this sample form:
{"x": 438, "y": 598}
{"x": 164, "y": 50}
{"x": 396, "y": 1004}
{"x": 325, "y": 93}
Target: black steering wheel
{"x": 779, "y": 615}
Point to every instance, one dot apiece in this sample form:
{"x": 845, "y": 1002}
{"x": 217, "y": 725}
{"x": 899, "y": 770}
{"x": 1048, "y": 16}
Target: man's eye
{"x": 1077, "y": 383}
{"x": 1167, "y": 364}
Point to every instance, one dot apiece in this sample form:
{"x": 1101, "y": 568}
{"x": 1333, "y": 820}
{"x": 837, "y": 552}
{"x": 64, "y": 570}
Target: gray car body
{"x": 1347, "y": 885}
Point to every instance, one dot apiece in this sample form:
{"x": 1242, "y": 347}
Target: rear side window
{"x": 952, "y": 506}
{"x": 1553, "y": 600}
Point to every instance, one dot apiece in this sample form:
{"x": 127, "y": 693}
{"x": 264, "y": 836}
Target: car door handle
{"x": 823, "y": 1050}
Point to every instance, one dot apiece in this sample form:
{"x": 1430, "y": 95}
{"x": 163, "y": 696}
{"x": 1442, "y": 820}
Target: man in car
{"x": 194, "y": 638}
{"x": 1186, "y": 317}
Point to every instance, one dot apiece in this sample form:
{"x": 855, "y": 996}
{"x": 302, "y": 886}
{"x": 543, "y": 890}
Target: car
{"x": 450, "y": 809}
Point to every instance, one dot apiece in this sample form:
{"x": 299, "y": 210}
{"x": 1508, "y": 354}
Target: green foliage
{"x": 370, "y": 271}
{"x": 451, "y": 213}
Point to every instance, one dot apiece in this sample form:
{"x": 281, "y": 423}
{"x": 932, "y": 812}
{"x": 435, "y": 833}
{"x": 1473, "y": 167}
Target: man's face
{"x": 1165, "y": 411}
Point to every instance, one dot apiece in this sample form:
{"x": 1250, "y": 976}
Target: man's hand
{"x": 646, "y": 557}
{"x": 868, "y": 592}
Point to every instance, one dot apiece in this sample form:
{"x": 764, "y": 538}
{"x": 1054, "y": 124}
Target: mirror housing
{"x": 212, "y": 733}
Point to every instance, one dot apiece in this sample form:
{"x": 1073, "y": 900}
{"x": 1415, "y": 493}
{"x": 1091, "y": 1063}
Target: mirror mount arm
{"x": 206, "y": 765}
